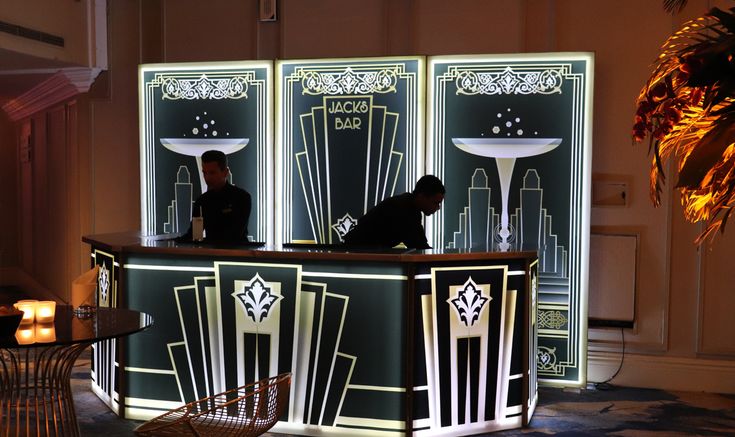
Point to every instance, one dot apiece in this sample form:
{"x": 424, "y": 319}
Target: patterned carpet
{"x": 617, "y": 411}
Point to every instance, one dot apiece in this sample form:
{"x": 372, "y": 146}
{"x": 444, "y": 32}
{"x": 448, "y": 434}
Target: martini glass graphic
{"x": 505, "y": 151}
{"x": 196, "y": 146}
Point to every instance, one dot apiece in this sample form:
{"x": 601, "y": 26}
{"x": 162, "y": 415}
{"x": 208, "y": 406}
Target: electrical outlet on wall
{"x": 609, "y": 193}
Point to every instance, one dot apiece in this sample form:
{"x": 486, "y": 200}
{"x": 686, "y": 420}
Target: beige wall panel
{"x": 39, "y": 196}
{"x": 25, "y": 200}
{"x": 332, "y": 28}
{"x": 73, "y": 249}
{"x": 399, "y": 27}
{"x": 8, "y": 195}
{"x": 85, "y": 108}
{"x": 215, "y": 30}
{"x": 114, "y": 132}
{"x": 53, "y": 260}
{"x": 717, "y": 296}
{"x": 540, "y": 26}
{"x": 683, "y": 314}
{"x": 624, "y": 46}
{"x": 468, "y": 26}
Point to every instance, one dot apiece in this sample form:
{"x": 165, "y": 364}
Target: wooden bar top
{"x": 137, "y": 242}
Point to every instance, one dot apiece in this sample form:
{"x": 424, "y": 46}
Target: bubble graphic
{"x": 535, "y": 133}
{"x": 520, "y": 131}
{"x": 214, "y": 133}
{"x": 205, "y": 112}
{"x": 205, "y": 126}
{"x": 496, "y": 130}
{"x": 195, "y": 131}
{"x": 508, "y": 110}
{"x": 211, "y": 122}
{"x": 196, "y": 118}
{"x": 508, "y": 133}
{"x": 508, "y": 124}
{"x": 499, "y": 115}
{"x": 518, "y": 119}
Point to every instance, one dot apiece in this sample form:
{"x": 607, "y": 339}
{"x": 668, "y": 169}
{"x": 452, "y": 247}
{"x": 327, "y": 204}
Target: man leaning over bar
{"x": 224, "y": 207}
{"x": 398, "y": 219}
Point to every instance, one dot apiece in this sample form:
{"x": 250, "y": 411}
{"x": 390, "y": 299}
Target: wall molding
{"x": 63, "y": 85}
{"x": 663, "y": 372}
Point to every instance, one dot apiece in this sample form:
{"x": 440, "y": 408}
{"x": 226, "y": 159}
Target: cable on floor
{"x": 605, "y": 385}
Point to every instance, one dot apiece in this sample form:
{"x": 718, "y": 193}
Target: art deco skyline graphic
{"x": 511, "y": 134}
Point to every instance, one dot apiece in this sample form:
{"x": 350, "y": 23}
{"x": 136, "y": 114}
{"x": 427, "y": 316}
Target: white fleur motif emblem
{"x": 103, "y": 279}
{"x": 468, "y": 302}
{"x": 203, "y": 86}
{"x": 344, "y": 225}
{"x": 508, "y": 81}
{"x": 257, "y": 298}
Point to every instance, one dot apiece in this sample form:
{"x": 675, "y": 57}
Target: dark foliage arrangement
{"x": 687, "y": 110}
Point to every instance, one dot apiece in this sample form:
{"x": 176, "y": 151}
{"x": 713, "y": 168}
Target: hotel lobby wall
{"x": 682, "y": 292}
{"x": 8, "y": 198}
{"x": 66, "y": 19}
{"x": 40, "y": 219}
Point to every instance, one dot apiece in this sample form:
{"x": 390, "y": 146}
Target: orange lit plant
{"x": 687, "y": 110}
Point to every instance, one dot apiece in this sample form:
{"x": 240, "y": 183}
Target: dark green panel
{"x": 153, "y": 386}
{"x": 374, "y": 312}
{"x": 195, "y": 108}
{"x": 350, "y": 138}
{"x": 374, "y": 404}
{"x": 525, "y": 117}
{"x": 337, "y": 389}
{"x": 329, "y": 343}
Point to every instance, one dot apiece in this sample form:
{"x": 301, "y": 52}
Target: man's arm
{"x": 246, "y": 214}
{"x": 416, "y": 237}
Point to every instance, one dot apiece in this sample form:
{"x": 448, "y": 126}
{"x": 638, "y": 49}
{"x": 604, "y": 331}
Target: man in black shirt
{"x": 224, "y": 207}
{"x": 398, "y": 219}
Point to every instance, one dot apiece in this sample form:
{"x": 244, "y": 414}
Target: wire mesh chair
{"x": 249, "y": 410}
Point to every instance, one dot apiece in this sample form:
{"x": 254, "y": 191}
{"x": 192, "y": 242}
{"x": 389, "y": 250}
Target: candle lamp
{"x": 45, "y": 333}
{"x": 28, "y": 307}
{"x": 45, "y": 311}
{"x": 25, "y": 335}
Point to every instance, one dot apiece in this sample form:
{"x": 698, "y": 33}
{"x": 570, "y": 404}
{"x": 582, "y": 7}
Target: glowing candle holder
{"x": 29, "y": 310}
{"x": 45, "y": 333}
{"x": 25, "y": 335}
{"x": 45, "y": 311}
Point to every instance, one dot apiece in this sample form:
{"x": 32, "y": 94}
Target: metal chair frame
{"x": 249, "y": 410}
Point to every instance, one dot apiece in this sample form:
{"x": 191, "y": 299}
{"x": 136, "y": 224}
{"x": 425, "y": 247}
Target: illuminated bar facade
{"x": 508, "y": 135}
{"x": 358, "y": 332}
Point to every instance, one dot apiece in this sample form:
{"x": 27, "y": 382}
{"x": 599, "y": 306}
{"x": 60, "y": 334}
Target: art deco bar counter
{"x": 390, "y": 343}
